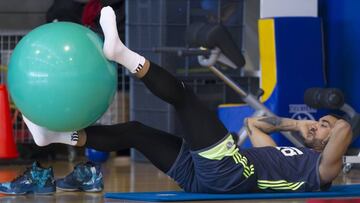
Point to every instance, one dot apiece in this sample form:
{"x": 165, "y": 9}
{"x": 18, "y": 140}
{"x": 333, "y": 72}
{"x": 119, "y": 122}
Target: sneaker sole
{"x": 80, "y": 189}
{"x": 12, "y": 193}
{"x": 44, "y": 193}
{"x": 93, "y": 190}
{"x": 25, "y": 193}
{"x": 67, "y": 189}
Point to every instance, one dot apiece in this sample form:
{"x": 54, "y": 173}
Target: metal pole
{"x": 260, "y": 108}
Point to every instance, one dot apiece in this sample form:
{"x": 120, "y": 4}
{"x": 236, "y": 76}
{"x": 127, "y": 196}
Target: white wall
{"x": 277, "y": 8}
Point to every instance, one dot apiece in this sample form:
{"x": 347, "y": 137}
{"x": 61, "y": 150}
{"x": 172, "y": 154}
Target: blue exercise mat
{"x": 173, "y": 196}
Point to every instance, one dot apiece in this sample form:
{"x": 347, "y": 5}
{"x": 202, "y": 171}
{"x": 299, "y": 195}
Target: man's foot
{"x": 43, "y": 136}
{"x": 112, "y": 44}
{"x": 85, "y": 177}
{"x": 114, "y": 49}
{"x": 35, "y": 179}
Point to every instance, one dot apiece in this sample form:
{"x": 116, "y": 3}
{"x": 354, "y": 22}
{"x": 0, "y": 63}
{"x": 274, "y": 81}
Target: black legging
{"x": 201, "y": 125}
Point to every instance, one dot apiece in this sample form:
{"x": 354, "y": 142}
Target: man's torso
{"x": 285, "y": 168}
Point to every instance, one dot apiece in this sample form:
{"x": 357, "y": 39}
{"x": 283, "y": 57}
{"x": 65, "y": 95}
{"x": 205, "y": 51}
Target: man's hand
{"x": 304, "y": 126}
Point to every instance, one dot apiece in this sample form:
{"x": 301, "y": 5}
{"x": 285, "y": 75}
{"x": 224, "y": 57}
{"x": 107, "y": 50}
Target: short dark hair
{"x": 336, "y": 115}
{"x": 344, "y": 116}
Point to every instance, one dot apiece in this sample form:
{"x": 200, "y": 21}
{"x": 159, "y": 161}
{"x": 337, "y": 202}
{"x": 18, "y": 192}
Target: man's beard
{"x": 314, "y": 143}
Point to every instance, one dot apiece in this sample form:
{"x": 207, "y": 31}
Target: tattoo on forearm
{"x": 272, "y": 120}
{"x": 247, "y": 127}
{"x": 276, "y": 124}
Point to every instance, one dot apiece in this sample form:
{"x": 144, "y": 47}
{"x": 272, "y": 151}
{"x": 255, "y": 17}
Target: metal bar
{"x": 228, "y": 81}
{"x": 253, "y": 102}
{"x": 351, "y": 159}
{"x": 243, "y": 133}
{"x": 349, "y": 110}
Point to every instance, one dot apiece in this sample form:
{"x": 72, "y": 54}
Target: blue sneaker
{"x": 35, "y": 179}
{"x": 85, "y": 177}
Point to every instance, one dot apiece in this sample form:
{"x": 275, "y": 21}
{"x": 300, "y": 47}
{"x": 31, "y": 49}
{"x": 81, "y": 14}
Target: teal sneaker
{"x": 35, "y": 179}
{"x": 85, "y": 177}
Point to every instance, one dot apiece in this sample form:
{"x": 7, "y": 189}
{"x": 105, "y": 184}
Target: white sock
{"x": 113, "y": 48}
{"x": 43, "y": 136}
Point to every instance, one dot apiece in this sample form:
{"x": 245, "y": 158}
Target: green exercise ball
{"x": 59, "y": 78}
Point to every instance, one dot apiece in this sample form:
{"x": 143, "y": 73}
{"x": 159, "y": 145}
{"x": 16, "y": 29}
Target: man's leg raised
{"x": 116, "y": 137}
{"x": 202, "y": 127}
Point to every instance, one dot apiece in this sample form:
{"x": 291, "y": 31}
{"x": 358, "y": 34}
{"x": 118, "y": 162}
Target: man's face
{"x": 319, "y": 132}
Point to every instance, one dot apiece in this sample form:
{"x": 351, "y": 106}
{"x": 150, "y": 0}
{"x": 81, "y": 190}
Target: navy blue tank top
{"x": 286, "y": 169}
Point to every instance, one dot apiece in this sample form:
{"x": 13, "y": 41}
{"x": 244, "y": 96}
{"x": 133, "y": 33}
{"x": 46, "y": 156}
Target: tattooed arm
{"x": 259, "y": 128}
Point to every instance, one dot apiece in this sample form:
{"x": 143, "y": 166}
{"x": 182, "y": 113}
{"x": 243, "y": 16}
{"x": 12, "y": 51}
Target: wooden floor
{"x": 123, "y": 175}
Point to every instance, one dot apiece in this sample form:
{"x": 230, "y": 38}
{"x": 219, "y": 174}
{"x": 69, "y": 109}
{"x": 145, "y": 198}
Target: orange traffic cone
{"x": 7, "y": 144}
{"x": 7, "y": 175}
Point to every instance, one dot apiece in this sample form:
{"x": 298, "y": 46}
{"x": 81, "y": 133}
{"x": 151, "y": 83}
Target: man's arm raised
{"x": 339, "y": 141}
{"x": 258, "y": 129}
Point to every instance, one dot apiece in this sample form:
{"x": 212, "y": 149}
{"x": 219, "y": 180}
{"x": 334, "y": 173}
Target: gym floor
{"x": 123, "y": 175}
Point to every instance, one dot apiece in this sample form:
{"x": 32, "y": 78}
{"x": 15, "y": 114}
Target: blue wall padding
{"x": 342, "y": 48}
{"x": 342, "y": 39}
{"x": 299, "y": 65}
